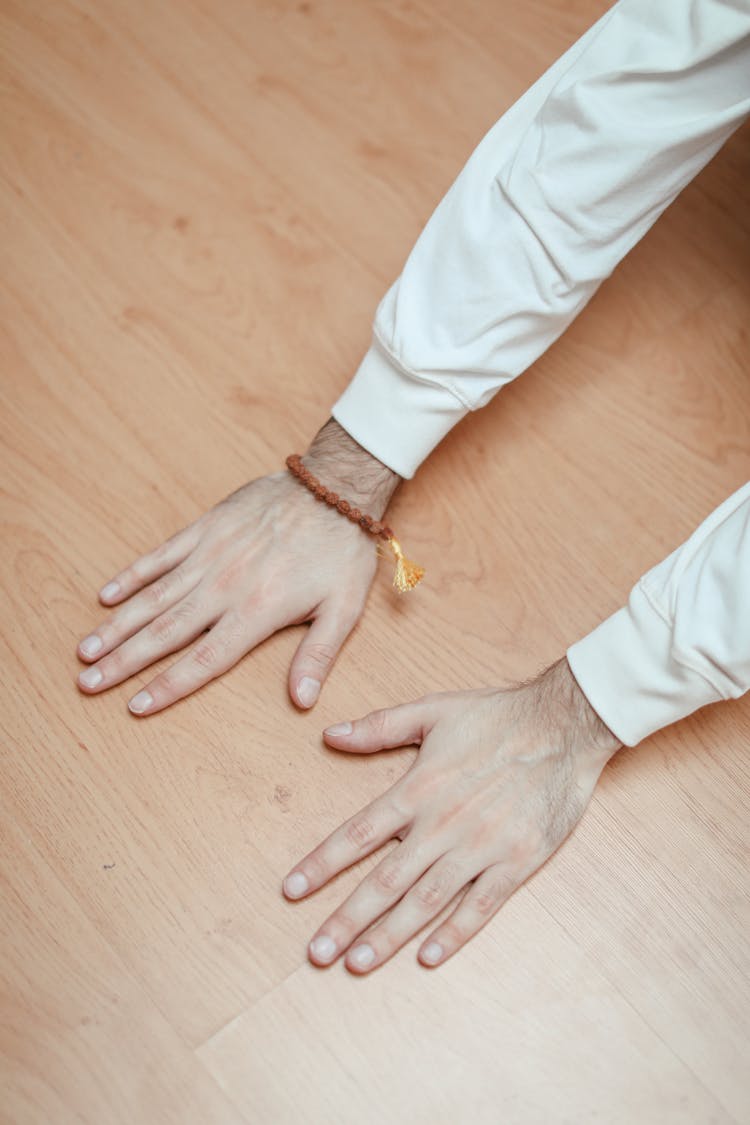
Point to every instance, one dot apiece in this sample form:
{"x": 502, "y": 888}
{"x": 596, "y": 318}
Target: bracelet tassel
{"x": 408, "y": 573}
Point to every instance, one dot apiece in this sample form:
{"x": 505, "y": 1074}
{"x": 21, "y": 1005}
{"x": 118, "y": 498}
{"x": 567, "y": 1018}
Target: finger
{"x": 480, "y": 903}
{"x": 383, "y": 730}
{"x": 362, "y": 834}
{"x": 151, "y": 566}
{"x": 385, "y": 885}
{"x": 317, "y": 653}
{"x": 156, "y": 599}
{"x": 430, "y": 894}
{"x": 169, "y": 632}
{"x": 215, "y": 654}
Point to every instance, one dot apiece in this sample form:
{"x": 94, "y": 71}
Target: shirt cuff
{"x": 631, "y": 675}
{"x": 395, "y": 415}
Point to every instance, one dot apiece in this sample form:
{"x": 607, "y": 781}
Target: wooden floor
{"x": 202, "y": 202}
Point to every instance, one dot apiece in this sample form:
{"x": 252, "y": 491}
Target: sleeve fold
{"x": 683, "y": 639}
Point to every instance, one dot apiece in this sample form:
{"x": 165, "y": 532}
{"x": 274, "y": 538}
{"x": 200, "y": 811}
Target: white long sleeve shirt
{"x": 556, "y": 194}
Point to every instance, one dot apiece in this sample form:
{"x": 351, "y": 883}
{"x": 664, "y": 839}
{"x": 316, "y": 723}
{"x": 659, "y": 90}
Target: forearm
{"x": 343, "y": 465}
{"x": 682, "y": 640}
{"x": 561, "y": 188}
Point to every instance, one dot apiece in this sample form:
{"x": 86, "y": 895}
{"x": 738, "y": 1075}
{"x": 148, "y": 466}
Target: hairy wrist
{"x": 341, "y": 464}
{"x": 562, "y": 699}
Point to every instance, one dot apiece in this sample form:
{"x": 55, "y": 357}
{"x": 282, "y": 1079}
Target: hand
{"x": 500, "y": 780}
{"x": 268, "y": 556}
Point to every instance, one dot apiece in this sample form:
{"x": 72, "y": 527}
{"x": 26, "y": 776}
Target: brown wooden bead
{"x": 320, "y": 492}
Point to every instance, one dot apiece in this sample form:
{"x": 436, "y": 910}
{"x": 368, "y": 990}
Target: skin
{"x": 240, "y": 573}
{"x": 501, "y": 779}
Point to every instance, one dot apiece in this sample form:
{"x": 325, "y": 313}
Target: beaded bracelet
{"x": 407, "y": 573}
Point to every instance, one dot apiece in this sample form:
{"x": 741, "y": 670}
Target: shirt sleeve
{"x": 560, "y": 189}
{"x": 683, "y": 640}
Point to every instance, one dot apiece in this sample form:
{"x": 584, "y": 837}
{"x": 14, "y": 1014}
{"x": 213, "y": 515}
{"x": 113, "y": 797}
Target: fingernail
{"x": 111, "y": 590}
{"x": 362, "y": 956}
{"x": 338, "y": 729}
{"x": 141, "y": 702}
{"x": 308, "y": 691}
{"x": 296, "y": 884}
{"x": 91, "y": 678}
{"x": 323, "y": 948}
{"x": 89, "y": 646}
{"x": 432, "y": 953}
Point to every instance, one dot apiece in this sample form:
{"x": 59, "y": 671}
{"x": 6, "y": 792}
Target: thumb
{"x": 317, "y": 653}
{"x": 406, "y": 725}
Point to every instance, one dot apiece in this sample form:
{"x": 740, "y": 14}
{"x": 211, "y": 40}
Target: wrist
{"x": 589, "y": 734}
{"x": 342, "y": 465}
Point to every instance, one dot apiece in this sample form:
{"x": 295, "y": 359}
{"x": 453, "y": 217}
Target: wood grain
{"x": 201, "y": 205}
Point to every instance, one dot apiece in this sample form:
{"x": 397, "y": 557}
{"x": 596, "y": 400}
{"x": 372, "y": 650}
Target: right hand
{"x": 501, "y": 778}
{"x": 268, "y": 556}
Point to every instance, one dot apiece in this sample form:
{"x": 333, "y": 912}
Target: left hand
{"x": 501, "y": 779}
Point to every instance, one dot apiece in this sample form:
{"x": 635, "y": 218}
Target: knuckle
{"x": 162, "y": 628}
{"x": 206, "y": 654}
{"x": 230, "y": 574}
{"x": 316, "y": 870}
{"x": 321, "y": 655}
{"x": 159, "y": 553}
{"x": 360, "y": 832}
{"x": 168, "y": 546}
{"x": 186, "y": 609}
{"x": 343, "y": 926}
{"x": 112, "y": 664}
{"x": 489, "y": 900}
{"x": 251, "y": 604}
{"x": 486, "y": 902}
{"x": 434, "y": 700}
{"x": 232, "y": 639}
{"x": 137, "y": 571}
{"x": 523, "y": 852}
{"x": 453, "y": 934}
{"x": 158, "y": 591}
{"x": 109, "y": 631}
{"x": 165, "y": 685}
{"x": 428, "y": 895}
{"x": 387, "y": 877}
{"x": 376, "y": 721}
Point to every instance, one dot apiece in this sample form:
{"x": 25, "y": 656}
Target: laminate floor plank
{"x": 200, "y": 206}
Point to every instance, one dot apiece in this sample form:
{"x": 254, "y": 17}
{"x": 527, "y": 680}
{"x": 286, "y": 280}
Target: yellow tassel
{"x": 407, "y": 573}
